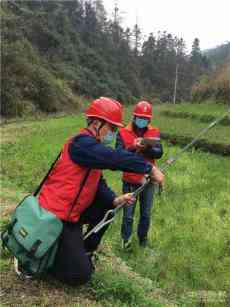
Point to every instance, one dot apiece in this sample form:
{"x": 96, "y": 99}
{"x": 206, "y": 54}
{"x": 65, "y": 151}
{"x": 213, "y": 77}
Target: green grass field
{"x": 189, "y": 126}
{"x": 196, "y": 109}
{"x": 187, "y": 261}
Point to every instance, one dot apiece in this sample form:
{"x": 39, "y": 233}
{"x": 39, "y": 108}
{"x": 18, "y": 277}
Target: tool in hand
{"x": 110, "y": 214}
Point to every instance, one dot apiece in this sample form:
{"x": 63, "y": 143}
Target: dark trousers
{"x": 146, "y": 204}
{"x": 72, "y": 263}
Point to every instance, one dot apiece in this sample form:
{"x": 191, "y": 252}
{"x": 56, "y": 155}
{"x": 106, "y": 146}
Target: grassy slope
{"x": 190, "y": 127}
{"x": 190, "y": 236}
{"x": 27, "y": 152}
{"x": 187, "y": 127}
{"x": 208, "y": 114}
{"x": 199, "y": 109}
{"x": 190, "y": 233}
{"x": 181, "y": 123}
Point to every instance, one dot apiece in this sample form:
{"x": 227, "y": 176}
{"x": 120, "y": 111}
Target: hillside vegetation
{"x": 53, "y": 50}
{"x": 214, "y": 87}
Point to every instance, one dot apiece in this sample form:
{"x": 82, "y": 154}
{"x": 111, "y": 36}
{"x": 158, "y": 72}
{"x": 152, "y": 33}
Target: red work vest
{"x": 128, "y": 137}
{"x": 70, "y": 188}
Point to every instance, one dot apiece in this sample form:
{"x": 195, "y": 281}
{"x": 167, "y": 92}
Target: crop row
{"x": 212, "y": 109}
{"x": 202, "y": 144}
{"x": 202, "y": 118}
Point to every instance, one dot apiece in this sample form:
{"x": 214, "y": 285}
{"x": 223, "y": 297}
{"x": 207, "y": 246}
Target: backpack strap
{"x": 46, "y": 176}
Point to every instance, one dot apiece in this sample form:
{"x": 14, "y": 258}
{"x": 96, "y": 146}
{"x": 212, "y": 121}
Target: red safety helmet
{"x": 143, "y": 109}
{"x": 106, "y": 108}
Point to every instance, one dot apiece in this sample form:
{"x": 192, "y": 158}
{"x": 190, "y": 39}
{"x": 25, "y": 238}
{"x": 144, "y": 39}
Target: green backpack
{"x": 32, "y": 235}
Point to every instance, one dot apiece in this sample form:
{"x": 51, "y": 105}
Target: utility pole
{"x": 175, "y": 85}
{"x": 115, "y": 13}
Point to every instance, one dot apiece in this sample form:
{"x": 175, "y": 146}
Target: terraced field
{"x": 181, "y": 123}
{"x": 206, "y": 109}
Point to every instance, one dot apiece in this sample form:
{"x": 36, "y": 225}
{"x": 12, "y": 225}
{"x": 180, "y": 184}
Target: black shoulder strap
{"x": 46, "y": 176}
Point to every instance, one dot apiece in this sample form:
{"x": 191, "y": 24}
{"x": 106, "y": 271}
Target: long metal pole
{"x": 110, "y": 215}
{"x": 202, "y": 132}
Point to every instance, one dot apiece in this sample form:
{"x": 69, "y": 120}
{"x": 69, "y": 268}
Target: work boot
{"x": 93, "y": 258}
{"x": 20, "y": 271}
{"x": 143, "y": 241}
{"x": 127, "y": 245}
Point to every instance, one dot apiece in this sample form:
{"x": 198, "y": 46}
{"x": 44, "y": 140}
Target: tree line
{"x": 53, "y": 50}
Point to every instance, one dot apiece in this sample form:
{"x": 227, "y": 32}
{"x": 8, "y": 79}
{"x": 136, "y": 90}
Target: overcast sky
{"x": 209, "y": 20}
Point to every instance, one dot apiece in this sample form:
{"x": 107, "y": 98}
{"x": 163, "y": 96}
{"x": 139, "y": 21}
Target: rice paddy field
{"x": 187, "y": 261}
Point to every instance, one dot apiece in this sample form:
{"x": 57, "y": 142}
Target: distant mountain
{"x": 218, "y": 55}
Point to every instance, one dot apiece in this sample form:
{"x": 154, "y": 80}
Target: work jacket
{"x": 70, "y": 188}
{"x": 128, "y": 138}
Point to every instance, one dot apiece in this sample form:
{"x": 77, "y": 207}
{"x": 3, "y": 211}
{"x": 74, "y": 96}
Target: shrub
{"x": 26, "y": 78}
{"x": 217, "y": 87}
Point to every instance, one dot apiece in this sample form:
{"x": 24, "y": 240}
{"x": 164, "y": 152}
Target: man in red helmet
{"x": 130, "y": 138}
{"x": 76, "y": 192}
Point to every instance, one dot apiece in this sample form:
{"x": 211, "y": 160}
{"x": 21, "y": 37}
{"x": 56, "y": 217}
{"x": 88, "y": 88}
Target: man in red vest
{"x": 131, "y": 138}
{"x": 76, "y": 192}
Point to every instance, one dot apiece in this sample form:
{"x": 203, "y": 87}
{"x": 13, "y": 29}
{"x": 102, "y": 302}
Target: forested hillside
{"x": 219, "y": 55}
{"x": 215, "y": 85}
{"x": 54, "y": 51}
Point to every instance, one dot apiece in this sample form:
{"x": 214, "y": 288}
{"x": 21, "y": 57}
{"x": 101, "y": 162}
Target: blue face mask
{"x": 109, "y": 137}
{"x": 141, "y": 122}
